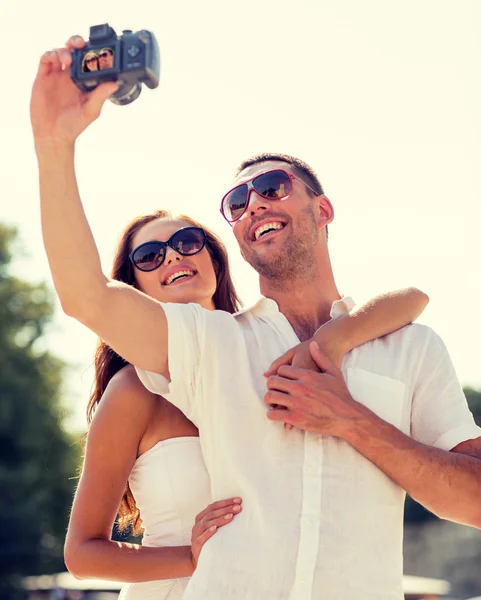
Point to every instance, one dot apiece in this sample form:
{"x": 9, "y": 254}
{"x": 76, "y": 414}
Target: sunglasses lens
{"x": 188, "y": 241}
{"x": 235, "y": 203}
{"x": 149, "y": 257}
{"x": 275, "y": 184}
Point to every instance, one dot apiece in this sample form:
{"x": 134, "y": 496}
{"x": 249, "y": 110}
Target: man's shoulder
{"x": 397, "y": 354}
{"x": 414, "y": 335}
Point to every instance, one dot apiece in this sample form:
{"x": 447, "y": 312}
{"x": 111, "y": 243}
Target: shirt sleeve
{"x": 186, "y": 337}
{"x": 440, "y": 414}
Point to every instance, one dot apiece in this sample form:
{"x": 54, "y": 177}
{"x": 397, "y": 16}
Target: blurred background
{"x": 382, "y": 99}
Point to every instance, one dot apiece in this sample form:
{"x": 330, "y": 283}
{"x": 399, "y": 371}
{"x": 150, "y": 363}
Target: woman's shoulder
{"x": 125, "y": 392}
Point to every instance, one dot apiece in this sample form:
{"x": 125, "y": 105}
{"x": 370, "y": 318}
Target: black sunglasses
{"x": 150, "y": 255}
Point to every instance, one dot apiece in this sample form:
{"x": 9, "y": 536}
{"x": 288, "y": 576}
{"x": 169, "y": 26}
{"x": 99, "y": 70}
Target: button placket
{"x": 310, "y": 518}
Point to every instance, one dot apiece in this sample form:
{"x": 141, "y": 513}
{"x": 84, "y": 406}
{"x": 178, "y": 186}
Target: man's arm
{"x": 133, "y": 324}
{"x": 447, "y": 483}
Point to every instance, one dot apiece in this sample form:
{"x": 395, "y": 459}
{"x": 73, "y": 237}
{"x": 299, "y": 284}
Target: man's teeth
{"x": 176, "y": 275}
{"x": 263, "y": 228}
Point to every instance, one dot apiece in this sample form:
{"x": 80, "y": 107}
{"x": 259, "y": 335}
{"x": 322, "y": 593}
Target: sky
{"x": 381, "y": 98}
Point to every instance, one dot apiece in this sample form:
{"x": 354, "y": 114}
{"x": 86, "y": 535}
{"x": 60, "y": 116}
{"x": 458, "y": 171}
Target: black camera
{"x": 130, "y": 59}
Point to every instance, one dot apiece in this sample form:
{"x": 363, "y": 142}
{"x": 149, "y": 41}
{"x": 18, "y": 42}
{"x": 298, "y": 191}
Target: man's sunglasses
{"x": 104, "y": 55}
{"x": 150, "y": 255}
{"x": 274, "y": 185}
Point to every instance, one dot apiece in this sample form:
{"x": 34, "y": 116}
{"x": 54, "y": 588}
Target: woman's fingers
{"x": 205, "y": 528}
{"x": 48, "y": 62}
{"x": 218, "y": 505}
{"x": 221, "y": 512}
{"x": 54, "y": 61}
{"x": 204, "y": 536}
{"x": 75, "y": 41}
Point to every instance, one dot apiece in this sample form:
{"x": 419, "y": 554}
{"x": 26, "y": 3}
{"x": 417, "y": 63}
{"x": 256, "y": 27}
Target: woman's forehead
{"x": 161, "y": 229}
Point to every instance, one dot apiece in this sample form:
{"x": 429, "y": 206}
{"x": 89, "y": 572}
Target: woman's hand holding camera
{"x": 59, "y": 111}
{"x": 209, "y": 520}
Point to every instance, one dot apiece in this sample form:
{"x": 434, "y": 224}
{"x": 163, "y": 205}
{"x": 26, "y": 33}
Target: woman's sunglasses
{"x": 150, "y": 255}
{"x": 275, "y": 185}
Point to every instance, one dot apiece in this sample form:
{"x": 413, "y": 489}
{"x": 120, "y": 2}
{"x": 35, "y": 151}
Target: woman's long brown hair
{"x": 108, "y": 363}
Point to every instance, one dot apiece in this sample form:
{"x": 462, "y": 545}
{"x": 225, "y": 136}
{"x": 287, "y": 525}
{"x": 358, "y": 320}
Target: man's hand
{"x": 299, "y": 356}
{"x": 317, "y": 402}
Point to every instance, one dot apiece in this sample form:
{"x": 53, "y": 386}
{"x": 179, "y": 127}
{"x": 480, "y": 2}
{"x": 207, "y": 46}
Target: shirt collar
{"x": 265, "y": 306}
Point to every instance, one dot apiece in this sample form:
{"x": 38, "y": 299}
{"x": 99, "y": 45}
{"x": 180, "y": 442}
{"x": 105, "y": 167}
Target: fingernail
{"x": 76, "y": 39}
{"x": 229, "y": 516}
{"x": 238, "y": 500}
{"x": 236, "y": 508}
{"x": 213, "y": 528}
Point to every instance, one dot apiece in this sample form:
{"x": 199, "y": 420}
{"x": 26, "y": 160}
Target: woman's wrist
{"x": 193, "y": 559}
{"x": 47, "y": 148}
{"x": 332, "y": 339}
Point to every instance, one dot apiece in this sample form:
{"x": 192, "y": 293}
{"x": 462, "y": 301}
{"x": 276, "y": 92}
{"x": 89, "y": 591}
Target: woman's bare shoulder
{"x": 125, "y": 393}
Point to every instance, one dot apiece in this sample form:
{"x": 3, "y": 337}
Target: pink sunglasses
{"x": 274, "y": 185}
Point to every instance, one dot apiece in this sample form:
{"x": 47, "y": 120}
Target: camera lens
{"x": 126, "y": 94}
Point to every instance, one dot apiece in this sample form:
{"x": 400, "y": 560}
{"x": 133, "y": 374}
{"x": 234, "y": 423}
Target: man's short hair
{"x": 300, "y": 168}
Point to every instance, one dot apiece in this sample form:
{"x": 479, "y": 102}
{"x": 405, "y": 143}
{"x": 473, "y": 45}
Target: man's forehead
{"x": 262, "y": 167}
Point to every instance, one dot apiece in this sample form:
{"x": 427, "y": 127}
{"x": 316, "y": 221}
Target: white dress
{"x": 171, "y": 486}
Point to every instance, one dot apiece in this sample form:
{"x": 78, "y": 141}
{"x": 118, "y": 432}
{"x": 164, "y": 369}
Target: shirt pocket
{"x": 381, "y": 394}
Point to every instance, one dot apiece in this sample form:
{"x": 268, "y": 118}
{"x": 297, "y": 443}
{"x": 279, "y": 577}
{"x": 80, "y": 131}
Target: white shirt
{"x": 319, "y": 521}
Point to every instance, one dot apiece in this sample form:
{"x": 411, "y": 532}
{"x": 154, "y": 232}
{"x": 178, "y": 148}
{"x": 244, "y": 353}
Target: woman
{"x": 90, "y": 62}
{"x": 137, "y": 436}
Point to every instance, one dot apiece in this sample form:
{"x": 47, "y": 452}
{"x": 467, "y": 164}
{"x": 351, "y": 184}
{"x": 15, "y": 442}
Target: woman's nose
{"x": 171, "y": 256}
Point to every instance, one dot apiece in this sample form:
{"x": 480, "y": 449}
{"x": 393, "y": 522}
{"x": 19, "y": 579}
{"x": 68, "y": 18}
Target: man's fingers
{"x": 278, "y": 400}
{"x": 322, "y": 361}
{"x": 282, "y": 415}
{"x": 285, "y": 359}
{"x": 282, "y": 384}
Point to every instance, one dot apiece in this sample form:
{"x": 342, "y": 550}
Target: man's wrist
{"x": 355, "y": 426}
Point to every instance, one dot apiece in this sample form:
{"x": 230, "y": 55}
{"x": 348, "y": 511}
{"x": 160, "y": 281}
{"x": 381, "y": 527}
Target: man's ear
{"x": 325, "y": 210}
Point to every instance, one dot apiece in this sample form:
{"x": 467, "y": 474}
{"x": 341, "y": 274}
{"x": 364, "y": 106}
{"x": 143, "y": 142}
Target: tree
{"x": 37, "y": 457}
{"x": 414, "y": 512}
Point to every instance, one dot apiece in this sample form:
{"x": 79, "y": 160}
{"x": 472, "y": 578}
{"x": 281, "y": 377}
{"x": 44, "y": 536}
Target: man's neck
{"x": 306, "y": 306}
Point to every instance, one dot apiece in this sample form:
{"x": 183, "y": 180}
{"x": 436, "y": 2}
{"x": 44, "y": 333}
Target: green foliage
{"x": 414, "y": 512}
{"x": 37, "y": 457}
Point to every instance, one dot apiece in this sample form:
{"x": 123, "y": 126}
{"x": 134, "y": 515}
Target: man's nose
{"x": 257, "y": 203}
{"x": 171, "y": 256}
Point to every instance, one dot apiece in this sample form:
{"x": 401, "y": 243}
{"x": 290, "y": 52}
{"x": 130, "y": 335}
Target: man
{"x": 106, "y": 58}
{"x": 323, "y": 502}
{"x": 324, "y": 518}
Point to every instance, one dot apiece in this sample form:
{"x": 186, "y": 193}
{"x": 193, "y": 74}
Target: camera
{"x": 130, "y": 59}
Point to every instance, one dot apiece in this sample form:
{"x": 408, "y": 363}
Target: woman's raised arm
{"x": 379, "y": 316}
{"x": 129, "y": 321}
